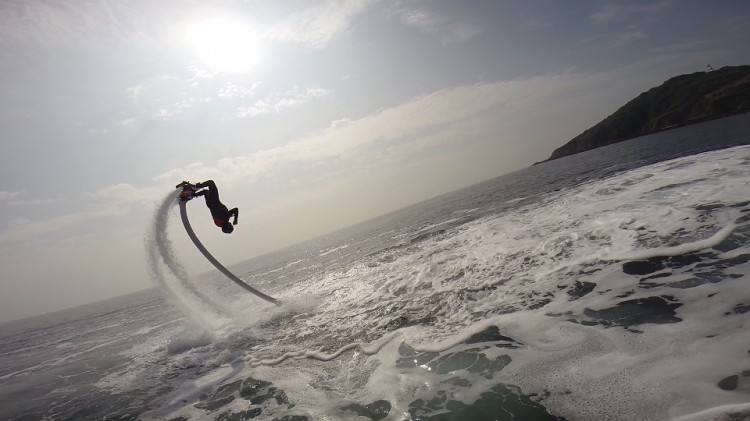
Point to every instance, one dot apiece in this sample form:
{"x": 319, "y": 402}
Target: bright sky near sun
{"x": 309, "y": 115}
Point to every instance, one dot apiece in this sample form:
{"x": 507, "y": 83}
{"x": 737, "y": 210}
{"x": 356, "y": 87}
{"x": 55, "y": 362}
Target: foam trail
{"x": 159, "y": 249}
{"x": 165, "y": 249}
{"x": 712, "y": 241}
{"x": 367, "y": 349}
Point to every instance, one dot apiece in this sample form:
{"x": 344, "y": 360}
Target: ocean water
{"x": 608, "y": 285}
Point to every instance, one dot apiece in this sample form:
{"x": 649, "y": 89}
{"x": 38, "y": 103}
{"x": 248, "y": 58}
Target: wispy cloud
{"x": 15, "y": 199}
{"x": 425, "y": 122}
{"x": 231, "y": 90}
{"x": 169, "y": 96}
{"x": 694, "y": 45}
{"x": 33, "y": 202}
{"x": 625, "y": 11}
{"x": 128, "y": 123}
{"x": 23, "y": 229}
{"x": 414, "y": 121}
{"x": 76, "y": 24}
{"x": 277, "y": 103}
{"x": 627, "y": 36}
{"x": 111, "y": 201}
{"x": 239, "y": 169}
{"x": 633, "y": 19}
{"x": 448, "y": 29}
{"x": 223, "y": 97}
{"x": 738, "y": 24}
{"x": 318, "y": 25}
{"x": 8, "y": 195}
{"x": 534, "y": 24}
{"x": 180, "y": 107}
{"x": 635, "y": 35}
{"x": 40, "y": 23}
{"x": 126, "y": 194}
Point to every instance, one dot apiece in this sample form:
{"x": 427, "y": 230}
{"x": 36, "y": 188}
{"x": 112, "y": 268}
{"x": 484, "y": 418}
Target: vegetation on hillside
{"x": 681, "y": 100}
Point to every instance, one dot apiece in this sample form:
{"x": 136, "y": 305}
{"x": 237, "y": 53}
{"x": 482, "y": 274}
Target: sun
{"x": 223, "y": 44}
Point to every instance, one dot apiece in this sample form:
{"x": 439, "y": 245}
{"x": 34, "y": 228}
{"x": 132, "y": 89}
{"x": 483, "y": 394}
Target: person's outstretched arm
{"x": 236, "y": 213}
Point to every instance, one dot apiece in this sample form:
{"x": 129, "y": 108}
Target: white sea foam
{"x": 533, "y": 299}
{"x": 515, "y": 267}
{"x": 205, "y": 321}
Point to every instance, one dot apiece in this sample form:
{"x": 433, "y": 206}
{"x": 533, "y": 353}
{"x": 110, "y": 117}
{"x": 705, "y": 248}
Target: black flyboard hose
{"x": 225, "y": 271}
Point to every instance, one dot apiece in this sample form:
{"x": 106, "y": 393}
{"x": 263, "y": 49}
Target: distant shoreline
{"x": 678, "y": 102}
{"x": 662, "y": 129}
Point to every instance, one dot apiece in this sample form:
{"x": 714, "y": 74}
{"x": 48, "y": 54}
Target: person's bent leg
{"x": 212, "y": 196}
{"x": 208, "y": 183}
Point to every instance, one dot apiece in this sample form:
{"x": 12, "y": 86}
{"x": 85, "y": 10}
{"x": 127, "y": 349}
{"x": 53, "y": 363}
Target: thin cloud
{"x": 114, "y": 200}
{"x": 448, "y": 29}
{"x": 421, "y": 20}
{"x": 633, "y": 19}
{"x": 198, "y": 73}
{"x": 460, "y": 32}
{"x": 23, "y": 229}
{"x": 426, "y": 125}
{"x": 180, "y": 107}
{"x": 277, "y": 103}
{"x": 738, "y": 24}
{"x": 534, "y": 24}
{"x": 630, "y": 35}
{"x": 635, "y": 35}
{"x": 186, "y": 96}
{"x": 7, "y": 195}
{"x": 41, "y": 23}
{"x": 624, "y": 11}
{"x": 65, "y": 24}
{"x": 688, "y": 46}
{"x": 128, "y": 123}
{"x": 231, "y": 90}
{"x": 32, "y": 202}
{"x": 347, "y": 138}
{"x": 317, "y": 26}
{"x": 239, "y": 169}
{"x": 14, "y": 199}
{"x": 126, "y": 194}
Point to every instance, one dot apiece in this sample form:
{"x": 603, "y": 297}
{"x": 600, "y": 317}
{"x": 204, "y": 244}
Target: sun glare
{"x": 224, "y": 45}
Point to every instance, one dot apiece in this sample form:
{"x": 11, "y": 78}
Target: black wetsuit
{"x": 219, "y": 212}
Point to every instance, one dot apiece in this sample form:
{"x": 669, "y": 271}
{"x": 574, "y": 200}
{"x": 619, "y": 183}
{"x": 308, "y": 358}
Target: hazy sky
{"x": 310, "y": 115}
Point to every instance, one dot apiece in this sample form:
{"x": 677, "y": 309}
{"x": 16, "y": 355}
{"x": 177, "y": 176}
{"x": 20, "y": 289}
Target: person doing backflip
{"x": 219, "y": 211}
